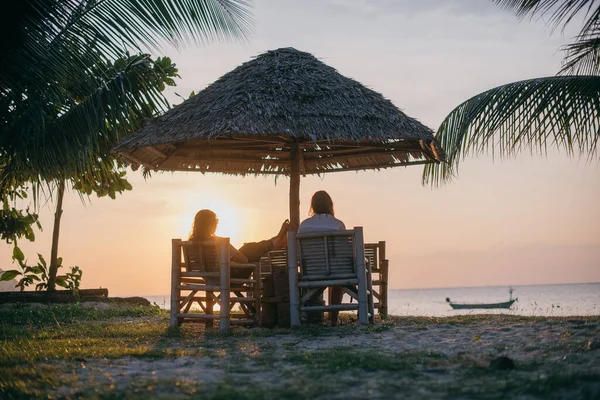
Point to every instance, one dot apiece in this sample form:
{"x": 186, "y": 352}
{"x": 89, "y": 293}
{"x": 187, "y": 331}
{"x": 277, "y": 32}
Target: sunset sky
{"x": 527, "y": 220}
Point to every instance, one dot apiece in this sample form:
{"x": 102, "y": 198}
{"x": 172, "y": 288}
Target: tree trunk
{"x": 53, "y": 270}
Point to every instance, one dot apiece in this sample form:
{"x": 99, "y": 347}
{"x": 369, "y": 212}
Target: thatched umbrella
{"x": 282, "y": 113}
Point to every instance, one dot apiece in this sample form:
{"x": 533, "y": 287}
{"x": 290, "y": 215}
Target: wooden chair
{"x": 317, "y": 261}
{"x": 274, "y": 262}
{"x": 203, "y": 277}
{"x": 276, "y": 291}
{"x": 379, "y": 265}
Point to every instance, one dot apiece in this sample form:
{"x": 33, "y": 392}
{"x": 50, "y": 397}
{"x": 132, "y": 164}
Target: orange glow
{"x": 230, "y": 215}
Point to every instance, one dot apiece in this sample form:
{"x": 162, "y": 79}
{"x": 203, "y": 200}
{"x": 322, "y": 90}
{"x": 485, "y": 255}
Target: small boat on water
{"x": 466, "y": 306}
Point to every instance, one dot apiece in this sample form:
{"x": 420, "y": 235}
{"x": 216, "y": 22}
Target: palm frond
{"x": 58, "y": 35}
{"x": 49, "y": 44}
{"x": 83, "y": 134}
{"x": 561, "y": 12}
{"x": 583, "y": 56}
{"x": 561, "y": 112}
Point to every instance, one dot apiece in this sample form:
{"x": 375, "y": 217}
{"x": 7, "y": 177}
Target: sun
{"x": 230, "y": 218}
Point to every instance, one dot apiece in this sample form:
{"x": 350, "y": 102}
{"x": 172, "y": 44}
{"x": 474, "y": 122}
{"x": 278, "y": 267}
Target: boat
{"x": 467, "y": 306}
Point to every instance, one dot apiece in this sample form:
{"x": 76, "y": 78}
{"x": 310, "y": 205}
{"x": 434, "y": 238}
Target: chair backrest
{"x": 372, "y": 256}
{"x": 276, "y": 261}
{"x": 327, "y": 254}
{"x": 375, "y": 255}
{"x": 201, "y": 256}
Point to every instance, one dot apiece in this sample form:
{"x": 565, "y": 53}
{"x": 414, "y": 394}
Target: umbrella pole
{"x": 295, "y": 188}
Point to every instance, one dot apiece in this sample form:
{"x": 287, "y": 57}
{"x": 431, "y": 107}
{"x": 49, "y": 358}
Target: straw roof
{"x": 248, "y": 121}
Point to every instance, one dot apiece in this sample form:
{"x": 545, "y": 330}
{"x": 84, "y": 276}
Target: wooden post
{"x": 383, "y": 278}
{"x": 363, "y": 306}
{"x": 175, "y": 278}
{"x": 293, "y": 279}
{"x": 224, "y": 261}
{"x": 295, "y": 187}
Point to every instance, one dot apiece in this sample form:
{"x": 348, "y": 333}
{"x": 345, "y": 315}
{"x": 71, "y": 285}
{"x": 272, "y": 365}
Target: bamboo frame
{"x": 283, "y": 156}
{"x": 379, "y": 274}
{"x": 203, "y": 288}
{"x": 360, "y": 281}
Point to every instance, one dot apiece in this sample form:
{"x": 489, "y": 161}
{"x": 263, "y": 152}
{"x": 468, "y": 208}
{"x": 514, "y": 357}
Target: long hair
{"x": 321, "y": 203}
{"x": 204, "y": 226}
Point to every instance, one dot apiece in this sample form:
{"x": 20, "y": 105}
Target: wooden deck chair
{"x": 379, "y": 265}
{"x": 317, "y": 261}
{"x": 203, "y": 277}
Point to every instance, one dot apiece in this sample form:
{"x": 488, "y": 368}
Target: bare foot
{"x": 280, "y": 240}
{"x": 285, "y": 227}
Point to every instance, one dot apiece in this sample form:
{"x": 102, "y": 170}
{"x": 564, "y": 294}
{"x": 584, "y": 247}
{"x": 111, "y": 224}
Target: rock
{"x": 97, "y": 305}
{"x": 12, "y": 306}
{"x": 137, "y": 301}
{"x": 502, "y": 363}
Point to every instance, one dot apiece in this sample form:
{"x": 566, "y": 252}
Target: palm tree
{"x": 144, "y": 77}
{"x": 63, "y": 105}
{"x": 561, "y": 111}
{"x": 46, "y": 44}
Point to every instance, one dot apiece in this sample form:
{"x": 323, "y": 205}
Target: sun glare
{"x": 229, "y": 215}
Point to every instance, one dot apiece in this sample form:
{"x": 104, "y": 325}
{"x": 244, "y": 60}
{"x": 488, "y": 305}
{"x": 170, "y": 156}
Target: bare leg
{"x": 255, "y": 250}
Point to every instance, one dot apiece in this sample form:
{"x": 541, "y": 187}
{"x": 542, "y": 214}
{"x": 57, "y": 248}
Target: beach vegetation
{"x": 38, "y": 274}
{"x": 561, "y": 111}
{"x": 24, "y": 317}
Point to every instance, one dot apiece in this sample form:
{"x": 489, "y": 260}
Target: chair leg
{"x": 210, "y": 308}
{"x": 383, "y": 292}
{"x": 225, "y": 272}
{"x": 370, "y": 299}
{"x": 257, "y": 294}
{"x": 293, "y": 281}
{"x": 363, "y": 306}
{"x": 175, "y": 281}
{"x": 173, "y": 320}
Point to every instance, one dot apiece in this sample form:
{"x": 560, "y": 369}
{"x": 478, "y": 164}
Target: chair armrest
{"x": 243, "y": 265}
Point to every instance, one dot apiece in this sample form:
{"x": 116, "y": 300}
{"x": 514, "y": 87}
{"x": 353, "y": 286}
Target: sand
{"x": 493, "y": 357}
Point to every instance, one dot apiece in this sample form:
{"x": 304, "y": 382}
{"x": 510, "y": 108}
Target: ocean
{"x": 533, "y": 300}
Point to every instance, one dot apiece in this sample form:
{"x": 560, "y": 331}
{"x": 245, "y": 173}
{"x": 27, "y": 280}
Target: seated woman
{"x": 322, "y": 217}
{"x": 205, "y": 226}
{"x": 322, "y": 220}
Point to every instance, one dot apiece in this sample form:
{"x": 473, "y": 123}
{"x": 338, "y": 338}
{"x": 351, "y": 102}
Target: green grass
{"x": 226, "y": 390}
{"x": 68, "y": 313}
{"x": 349, "y": 358}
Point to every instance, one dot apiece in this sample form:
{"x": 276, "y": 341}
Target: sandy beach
{"x": 402, "y": 357}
